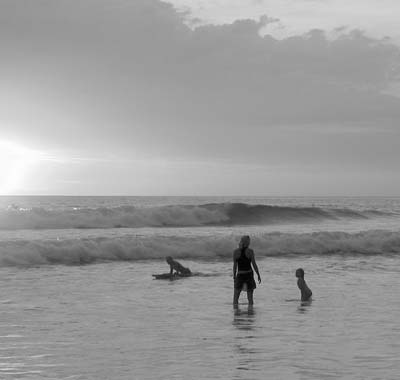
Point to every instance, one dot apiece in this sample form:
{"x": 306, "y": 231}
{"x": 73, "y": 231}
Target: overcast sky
{"x": 295, "y": 97}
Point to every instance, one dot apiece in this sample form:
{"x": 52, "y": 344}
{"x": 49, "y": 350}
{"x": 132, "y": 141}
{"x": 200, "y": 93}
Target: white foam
{"x": 89, "y": 250}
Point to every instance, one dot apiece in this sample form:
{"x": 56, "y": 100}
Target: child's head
{"x": 169, "y": 259}
{"x": 300, "y": 273}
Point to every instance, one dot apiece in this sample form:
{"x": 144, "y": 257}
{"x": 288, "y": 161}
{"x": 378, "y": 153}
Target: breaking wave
{"x": 216, "y": 214}
{"x": 130, "y": 248}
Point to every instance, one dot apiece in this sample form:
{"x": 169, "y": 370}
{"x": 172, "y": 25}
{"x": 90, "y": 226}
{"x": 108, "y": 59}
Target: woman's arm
{"x": 253, "y": 262}
{"x": 234, "y": 265}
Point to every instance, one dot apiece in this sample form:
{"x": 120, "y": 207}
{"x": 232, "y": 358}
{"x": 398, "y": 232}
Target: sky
{"x": 249, "y": 97}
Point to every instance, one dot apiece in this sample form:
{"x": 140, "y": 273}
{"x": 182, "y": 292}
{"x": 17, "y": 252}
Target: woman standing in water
{"x": 243, "y": 260}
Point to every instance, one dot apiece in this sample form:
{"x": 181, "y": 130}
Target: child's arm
{"x": 299, "y": 283}
{"x": 304, "y": 289}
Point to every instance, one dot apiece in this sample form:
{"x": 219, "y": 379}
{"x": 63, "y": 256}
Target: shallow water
{"x": 62, "y": 319}
{"x": 113, "y": 321}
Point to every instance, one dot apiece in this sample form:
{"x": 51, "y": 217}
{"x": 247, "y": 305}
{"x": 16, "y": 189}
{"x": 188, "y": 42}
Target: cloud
{"x": 131, "y": 76}
{"x": 377, "y": 17}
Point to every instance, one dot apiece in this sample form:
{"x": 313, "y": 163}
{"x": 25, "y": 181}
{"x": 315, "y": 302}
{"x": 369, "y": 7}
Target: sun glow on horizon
{"x": 15, "y": 162}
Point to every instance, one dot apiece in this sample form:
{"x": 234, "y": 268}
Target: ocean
{"x": 78, "y": 300}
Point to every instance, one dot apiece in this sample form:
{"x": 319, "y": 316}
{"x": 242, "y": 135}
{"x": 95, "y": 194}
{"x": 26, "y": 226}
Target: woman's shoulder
{"x": 236, "y": 252}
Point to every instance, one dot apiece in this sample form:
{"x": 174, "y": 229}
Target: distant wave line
{"x": 212, "y": 214}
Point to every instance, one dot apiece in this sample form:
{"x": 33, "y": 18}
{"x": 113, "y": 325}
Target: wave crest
{"x": 85, "y": 251}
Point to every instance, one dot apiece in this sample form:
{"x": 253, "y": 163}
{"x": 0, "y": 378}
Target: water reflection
{"x": 304, "y": 306}
{"x": 245, "y": 348}
{"x": 243, "y": 319}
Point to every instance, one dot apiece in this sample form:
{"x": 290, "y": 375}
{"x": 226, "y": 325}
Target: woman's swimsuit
{"x": 245, "y": 273}
{"x": 244, "y": 263}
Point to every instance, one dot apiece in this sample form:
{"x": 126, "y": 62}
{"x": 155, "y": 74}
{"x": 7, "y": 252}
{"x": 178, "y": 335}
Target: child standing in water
{"x": 306, "y": 292}
{"x": 178, "y": 267}
{"x": 243, "y": 261}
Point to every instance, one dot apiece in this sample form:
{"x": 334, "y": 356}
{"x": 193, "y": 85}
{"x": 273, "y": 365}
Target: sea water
{"x": 78, "y": 300}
